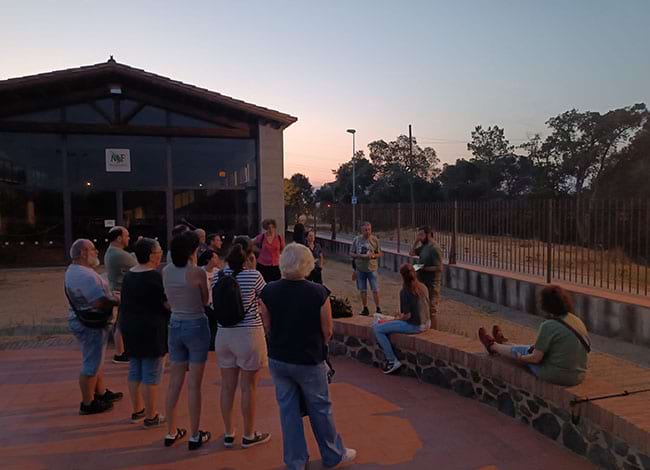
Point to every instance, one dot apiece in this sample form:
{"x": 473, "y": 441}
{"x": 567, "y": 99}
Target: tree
{"x": 298, "y": 195}
{"x": 403, "y": 159}
{"x": 364, "y": 175}
{"x": 489, "y": 144}
{"x": 585, "y": 145}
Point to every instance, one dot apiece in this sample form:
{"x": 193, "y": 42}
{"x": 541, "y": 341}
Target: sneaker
{"x": 379, "y": 310}
{"x": 258, "y": 438}
{"x": 153, "y": 422}
{"x": 392, "y": 367}
{"x": 137, "y": 416}
{"x": 95, "y": 407}
{"x": 170, "y": 440}
{"x": 229, "y": 441}
{"x": 109, "y": 396}
{"x": 121, "y": 358}
{"x": 349, "y": 456}
{"x": 365, "y": 312}
{"x": 197, "y": 441}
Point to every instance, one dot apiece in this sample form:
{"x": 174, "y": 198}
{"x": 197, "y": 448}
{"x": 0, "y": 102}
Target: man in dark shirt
{"x": 430, "y": 267}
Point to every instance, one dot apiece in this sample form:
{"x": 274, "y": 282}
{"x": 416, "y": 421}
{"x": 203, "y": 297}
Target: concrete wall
{"x": 603, "y": 316}
{"x": 271, "y": 174}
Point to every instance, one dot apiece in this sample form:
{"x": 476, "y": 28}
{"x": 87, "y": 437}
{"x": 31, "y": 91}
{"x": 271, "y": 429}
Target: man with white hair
{"x": 90, "y": 316}
{"x": 118, "y": 262}
{"x": 202, "y": 244}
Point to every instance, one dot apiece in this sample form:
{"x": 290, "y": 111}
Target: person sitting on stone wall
{"x": 413, "y": 317}
{"x": 559, "y": 354}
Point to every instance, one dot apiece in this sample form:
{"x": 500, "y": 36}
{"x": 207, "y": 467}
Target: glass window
{"x": 145, "y": 215}
{"x": 231, "y": 212}
{"x": 106, "y": 105}
{"x": 222, "y": 163}
{"x": 180, "y": 120}
{"x": 91, "y": 210}
{"x": 31, "y": 200}
{"x": 49, "y": 115}
{"x": 87, "y": 162}
{"x": 149, "y": 116}
{"x": 84, "y": 113}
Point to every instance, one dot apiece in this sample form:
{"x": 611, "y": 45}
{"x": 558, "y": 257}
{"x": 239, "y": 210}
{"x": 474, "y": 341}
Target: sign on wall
{"x": 118, "y": 160}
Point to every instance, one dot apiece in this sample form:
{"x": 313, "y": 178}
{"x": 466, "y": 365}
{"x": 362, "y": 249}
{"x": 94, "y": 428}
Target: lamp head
{"x": 351, "y": 131}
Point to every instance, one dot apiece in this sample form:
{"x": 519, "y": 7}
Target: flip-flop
{"x": 170, "y": 441}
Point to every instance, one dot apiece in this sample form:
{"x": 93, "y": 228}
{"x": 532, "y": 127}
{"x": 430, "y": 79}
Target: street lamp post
{"x": 354, "y": 184}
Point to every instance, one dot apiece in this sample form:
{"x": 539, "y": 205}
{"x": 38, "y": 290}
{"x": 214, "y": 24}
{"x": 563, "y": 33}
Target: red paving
{"x": 393, "y": 422}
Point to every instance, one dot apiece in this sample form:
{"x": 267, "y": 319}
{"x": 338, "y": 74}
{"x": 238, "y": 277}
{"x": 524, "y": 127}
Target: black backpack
{"x": 226, "y": 299}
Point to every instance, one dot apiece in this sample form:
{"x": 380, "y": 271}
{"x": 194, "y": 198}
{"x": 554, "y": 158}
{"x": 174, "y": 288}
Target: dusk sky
{"x": 377, "y": 66}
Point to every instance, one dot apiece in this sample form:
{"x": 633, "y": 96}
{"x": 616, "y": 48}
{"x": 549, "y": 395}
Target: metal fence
{"x": 602, "y": 244}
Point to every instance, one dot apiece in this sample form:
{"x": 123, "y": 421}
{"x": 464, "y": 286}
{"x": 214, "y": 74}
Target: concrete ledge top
{"x": 627, "y": 417}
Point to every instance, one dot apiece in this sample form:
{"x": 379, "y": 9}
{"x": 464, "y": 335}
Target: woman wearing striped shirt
{"x": 241, "y": 349}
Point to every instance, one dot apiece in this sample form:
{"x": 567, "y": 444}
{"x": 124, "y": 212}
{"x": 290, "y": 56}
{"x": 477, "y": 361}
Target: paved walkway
{"x": 394, "y": 422}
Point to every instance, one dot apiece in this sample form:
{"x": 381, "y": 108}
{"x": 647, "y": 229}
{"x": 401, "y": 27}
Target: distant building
{"x": 87, "y": 148}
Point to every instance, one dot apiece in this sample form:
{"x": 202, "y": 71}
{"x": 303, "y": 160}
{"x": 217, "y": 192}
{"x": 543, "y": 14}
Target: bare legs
{"x": 249, "y": 381}
{"x": 89, "y": 385}
{"x": 150, "y": 398}
{"x": 177, "y": 377}
{"x": 229, "y": 380}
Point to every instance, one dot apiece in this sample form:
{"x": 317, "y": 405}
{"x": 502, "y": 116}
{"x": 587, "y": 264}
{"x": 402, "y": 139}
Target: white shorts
{"x": 244, "y": 348}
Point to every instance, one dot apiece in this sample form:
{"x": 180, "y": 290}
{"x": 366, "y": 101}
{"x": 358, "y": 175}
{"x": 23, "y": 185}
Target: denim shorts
{"x": 93, "y": 343}
{"x": 363, "y": 277}
{"x": 146, "y": 370}
{"x": 522, "y": 351}
{"x": 189, "y": 340}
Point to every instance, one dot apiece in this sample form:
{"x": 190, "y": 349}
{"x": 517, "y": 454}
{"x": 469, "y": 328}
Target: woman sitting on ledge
{"x": 559, "y": 354}
{"x": 413, "y": 317}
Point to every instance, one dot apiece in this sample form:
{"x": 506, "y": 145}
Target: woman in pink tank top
{"x": 270, "y": 245}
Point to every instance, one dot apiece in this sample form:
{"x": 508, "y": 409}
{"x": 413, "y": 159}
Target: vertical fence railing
{"x": 603, "y": 244}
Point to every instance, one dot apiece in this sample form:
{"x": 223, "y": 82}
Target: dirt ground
{"x": 33, "y": 303}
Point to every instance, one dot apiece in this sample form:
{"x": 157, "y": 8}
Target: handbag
{"x": 92, "y": 318}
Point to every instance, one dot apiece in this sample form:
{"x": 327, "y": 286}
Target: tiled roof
{"x": 121, "y": 69}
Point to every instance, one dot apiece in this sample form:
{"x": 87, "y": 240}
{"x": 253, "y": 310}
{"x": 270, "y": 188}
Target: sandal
{"x": 204, "y": 436}
{"x": 498, "y": 335}
{"x": 486, "y": 339}
{"x": 170, "y": 441}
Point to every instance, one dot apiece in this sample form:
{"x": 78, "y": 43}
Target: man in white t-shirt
{"x": 87, "y": 291}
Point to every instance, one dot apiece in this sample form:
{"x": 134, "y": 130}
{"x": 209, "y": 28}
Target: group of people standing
{"x": 286, "y": 326}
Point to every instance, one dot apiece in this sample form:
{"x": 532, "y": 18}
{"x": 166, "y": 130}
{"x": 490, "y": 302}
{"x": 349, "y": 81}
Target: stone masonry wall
{"x": 584, "y": 439}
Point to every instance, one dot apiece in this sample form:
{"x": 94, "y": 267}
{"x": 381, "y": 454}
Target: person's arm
{"x": 378, "y": 253}
{"x": 414, "y": 249}
{"x": 266, "y": 317}
{"x": 199, "y": 277}
{"x": 326, "y": 322}
{"x": 533, "y": 358}
{"x": 104, "y": 303}
{"x": 353, "y": 250}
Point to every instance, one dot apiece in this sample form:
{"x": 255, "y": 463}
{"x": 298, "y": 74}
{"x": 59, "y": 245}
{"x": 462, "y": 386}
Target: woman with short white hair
{"x": 297, "y": 317}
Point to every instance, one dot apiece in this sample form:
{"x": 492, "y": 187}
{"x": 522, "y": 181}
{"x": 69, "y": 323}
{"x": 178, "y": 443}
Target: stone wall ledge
{"x": 612, "y": 433}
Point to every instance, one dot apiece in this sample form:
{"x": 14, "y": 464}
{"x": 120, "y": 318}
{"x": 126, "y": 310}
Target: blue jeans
{"x": 382, "y": 330}
{"x": 189, "y": 340}
{"x": 522, "y": 351}
{"x": 93, "y": 343}
{"x": 146, "y": 370}
{"x": 363, "y": 279}
{"x": 290, "y": 380}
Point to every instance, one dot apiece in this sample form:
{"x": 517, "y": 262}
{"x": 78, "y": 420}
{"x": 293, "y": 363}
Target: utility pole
{"x": 354, "y": 184}
{"x": 411, "y": 179}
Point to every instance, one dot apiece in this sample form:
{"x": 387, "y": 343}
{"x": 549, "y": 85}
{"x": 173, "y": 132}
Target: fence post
{"x": 334, "y": 221}
{"x": 454, "y": 234}
{"x": 315, "y": 222}
{"x": 399, "y": 225}
{"x": 361, "y": 219}
{"x": 549, "y": 243}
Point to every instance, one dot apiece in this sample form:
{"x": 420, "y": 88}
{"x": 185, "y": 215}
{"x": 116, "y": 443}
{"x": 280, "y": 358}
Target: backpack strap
{"x": 584, "y": 341}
